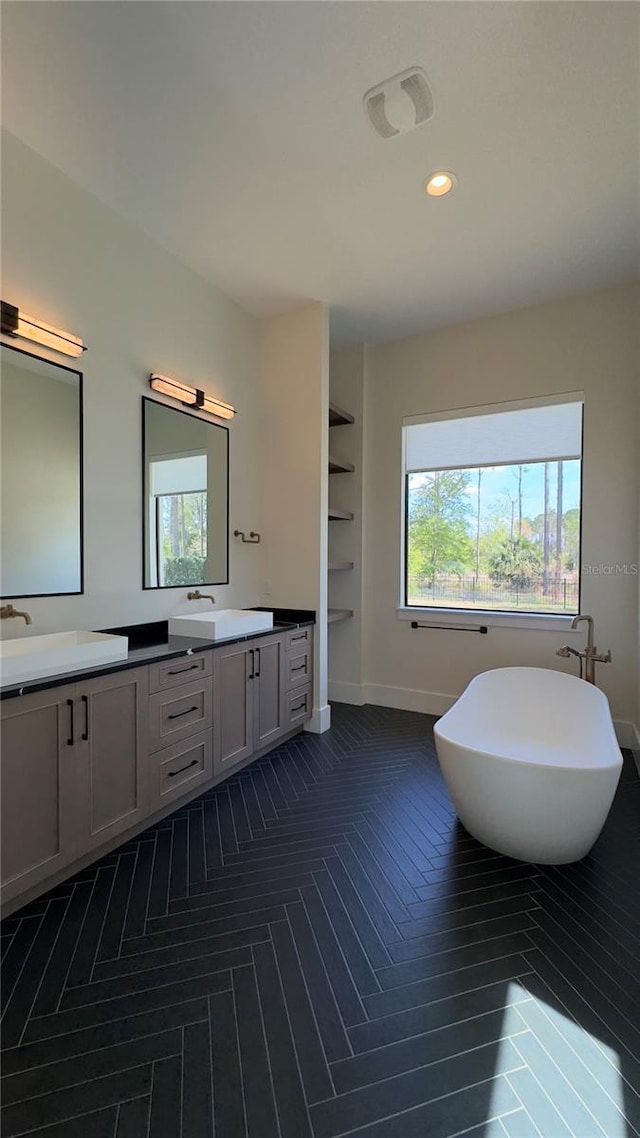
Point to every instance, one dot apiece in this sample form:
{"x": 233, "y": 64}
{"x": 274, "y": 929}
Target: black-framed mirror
{"x": 41, "y": 466}
{"x": 185, "y": 498}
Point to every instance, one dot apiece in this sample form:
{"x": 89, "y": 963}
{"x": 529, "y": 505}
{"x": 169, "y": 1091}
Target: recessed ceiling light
{"x": 440, "y": 183}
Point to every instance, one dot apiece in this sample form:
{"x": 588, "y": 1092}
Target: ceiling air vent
{"x": 400, "y": 104}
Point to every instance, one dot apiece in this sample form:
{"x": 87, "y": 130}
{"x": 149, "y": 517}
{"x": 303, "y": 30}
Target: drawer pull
{"x": 299, "y": 668}
{"x": 300, "y": 706}
{"x": 179, "y": 713}
{"x": 178, "y": 671}
{"x": 70, "y": 739}
{"x": 85, "y": 700}
{"x": 300, "y": 636}
{"x": 172, "y": 774}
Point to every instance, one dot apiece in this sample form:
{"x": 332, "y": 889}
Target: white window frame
{"x": 454, "y": 617}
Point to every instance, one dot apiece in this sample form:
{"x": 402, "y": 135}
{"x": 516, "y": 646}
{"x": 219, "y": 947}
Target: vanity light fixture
{"x": 191, "y": 396}
{"x": 440, "y": 183}
{"x": 16, "y": 323}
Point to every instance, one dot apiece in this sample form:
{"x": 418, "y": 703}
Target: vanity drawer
{"x": 298, "y": 638}
{"x": 183, "y": 670}
{"x": 299, "y": 705}
{"x": 182, "y": 766}
{"x": 178, "y": 714}
{"x": 298, "y": 668}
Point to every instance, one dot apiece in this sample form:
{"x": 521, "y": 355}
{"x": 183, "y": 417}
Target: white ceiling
{"x": 234, "y": 134}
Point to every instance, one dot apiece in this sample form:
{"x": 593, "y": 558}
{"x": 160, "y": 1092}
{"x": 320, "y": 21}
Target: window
{"x": 181, "y": 546}
{"x": 178, "y": 519}
{"x": 492, "y": 508}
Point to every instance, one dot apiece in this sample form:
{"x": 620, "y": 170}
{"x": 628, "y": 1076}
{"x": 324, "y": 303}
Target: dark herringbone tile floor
{"x": 317, "y": 948}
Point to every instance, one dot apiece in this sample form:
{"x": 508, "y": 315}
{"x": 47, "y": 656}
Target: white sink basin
{"x": 218, "y": 624}
{"x": 32, "y": 657}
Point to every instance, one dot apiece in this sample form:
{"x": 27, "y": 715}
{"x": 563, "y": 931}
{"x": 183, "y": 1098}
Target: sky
{"x": 498, "y": 479}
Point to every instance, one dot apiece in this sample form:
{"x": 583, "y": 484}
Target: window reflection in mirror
{"x": 41, "y": 476}
{"x": 186, "y": 490}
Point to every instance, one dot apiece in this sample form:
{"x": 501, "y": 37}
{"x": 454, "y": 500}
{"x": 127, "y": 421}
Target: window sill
{"x": 534, "y": 622}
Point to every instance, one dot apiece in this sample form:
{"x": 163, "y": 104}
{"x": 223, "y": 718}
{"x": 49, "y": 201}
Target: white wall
{"x": 76, "y": 264}
{"x": 636, "y": 742}
{"x": 293, "y": 473}
{"x": 587, "y": 343}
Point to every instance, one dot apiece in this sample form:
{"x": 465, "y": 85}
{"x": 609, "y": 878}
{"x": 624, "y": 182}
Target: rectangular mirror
{"x": 41, "y": 472}
{"x": 185, "y": 498}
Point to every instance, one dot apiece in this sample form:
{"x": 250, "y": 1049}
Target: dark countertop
{"x": 151, "y": 643}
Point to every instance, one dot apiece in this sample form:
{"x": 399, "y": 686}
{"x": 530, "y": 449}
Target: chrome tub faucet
{"x": 590, "y": 656}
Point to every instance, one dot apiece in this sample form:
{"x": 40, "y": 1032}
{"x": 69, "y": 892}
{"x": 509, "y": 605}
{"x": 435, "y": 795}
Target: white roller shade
{"x": 179, "y": 475}
{"x": 502, "y": 438}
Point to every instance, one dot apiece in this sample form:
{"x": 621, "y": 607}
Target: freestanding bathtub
{"x": 531, "y": 761}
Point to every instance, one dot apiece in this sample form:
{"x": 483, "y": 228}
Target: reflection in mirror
{"x": 41, "y": 476}
{"x": 186, "y": 498}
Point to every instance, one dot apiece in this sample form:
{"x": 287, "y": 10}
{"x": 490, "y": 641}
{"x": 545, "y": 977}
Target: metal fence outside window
{"x": 554, "y": 594}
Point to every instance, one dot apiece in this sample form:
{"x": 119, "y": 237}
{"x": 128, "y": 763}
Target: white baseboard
{"x": 320, "y": 720}
{"x": 436, "y": 703}
{"x": 408, "y": 699}
{"x": 627, "y": 734}
{"x": 404, "y": 699}
{"x": 340, "y": 692}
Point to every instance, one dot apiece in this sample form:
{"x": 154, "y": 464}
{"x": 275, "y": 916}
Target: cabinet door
{"x": 233, "y": 669}
{"x": 298, "y": 706}
{"x": 37, "y": 766}
{"x": 181, "y": 670}
{"x": 268, "y": 690}
{"x": 181, "y": 768}
{"x": 179, "y": 712}
{"x": 111, "y": 724}
{"x": 299, "y": 668}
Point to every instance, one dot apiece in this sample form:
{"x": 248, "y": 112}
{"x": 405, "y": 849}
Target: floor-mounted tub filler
{"x": 531, "y": 761}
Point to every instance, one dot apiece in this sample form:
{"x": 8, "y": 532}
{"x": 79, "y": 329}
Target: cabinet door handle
{"x": 85, "y": 700}
{"x": 71, "y": 740}
{"x": 301, "y": 636}
{"x": 252, "y": 654}
{"x": 258, "y": 655}
{"x": 172, "y": 774}
{"x": 188, "y": 711}
{"x": 299, "y": 706}
{"x": 299, "y": 668}
{"x": 178, "y": 671}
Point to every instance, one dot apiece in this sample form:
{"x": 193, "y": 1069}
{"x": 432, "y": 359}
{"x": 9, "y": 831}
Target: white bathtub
{"x": 531, "y": 761}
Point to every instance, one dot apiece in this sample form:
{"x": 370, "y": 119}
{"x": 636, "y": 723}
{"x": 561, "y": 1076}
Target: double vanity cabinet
{"x": 86, "y": 764}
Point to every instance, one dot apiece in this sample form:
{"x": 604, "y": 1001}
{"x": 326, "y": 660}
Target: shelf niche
{"x": 338, "y": 614}
{"x": 338, "y": 417}
{"x": 337, "y": 466}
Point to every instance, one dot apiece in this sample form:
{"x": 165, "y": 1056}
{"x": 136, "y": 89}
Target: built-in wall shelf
{"x": 338, "y": 614}
{"x": 338, "y": 417}
{"x": 337, "y": 466}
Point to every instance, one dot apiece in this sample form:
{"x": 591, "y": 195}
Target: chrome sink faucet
{"x": 198, "y": 596}
{"x": 590, "y": 656}
{"x": 8, "y": 611}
